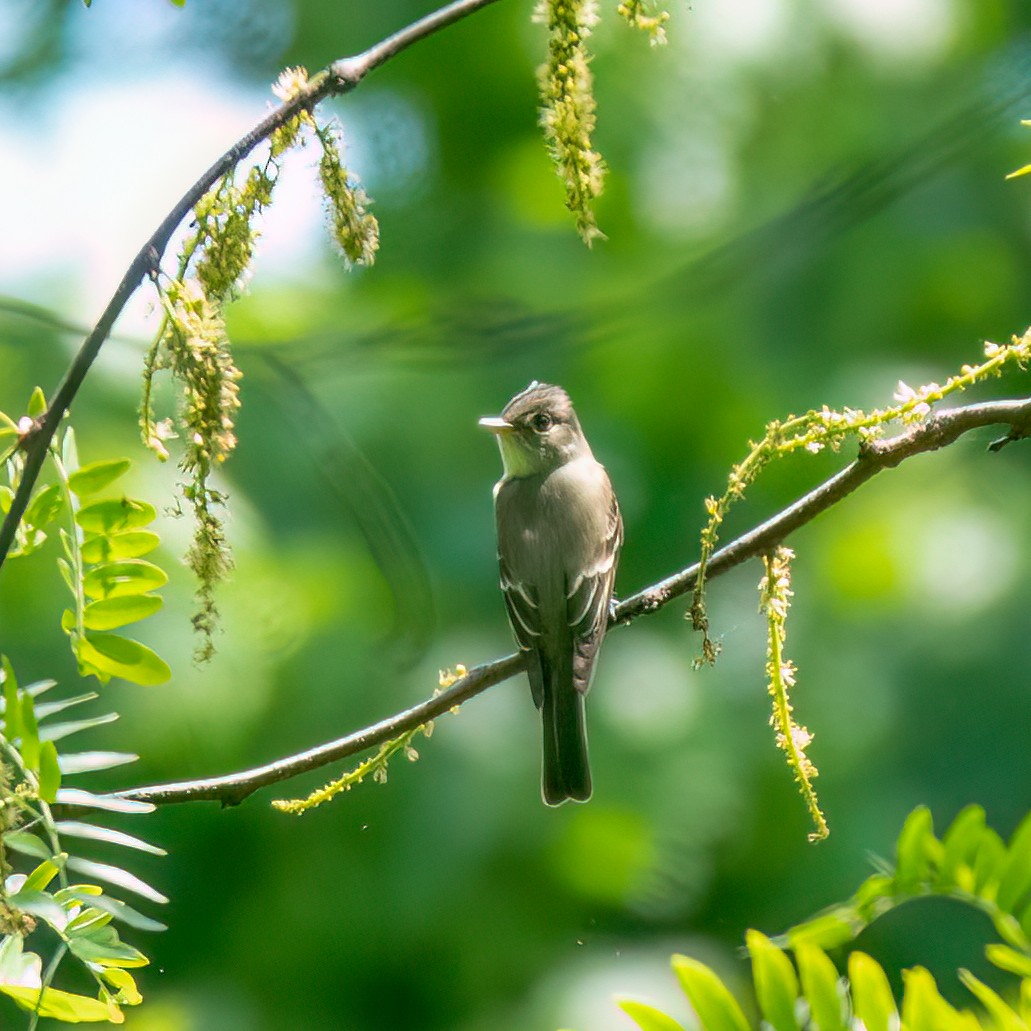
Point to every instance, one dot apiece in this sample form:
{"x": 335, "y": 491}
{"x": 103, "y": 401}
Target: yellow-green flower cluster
{"x": 354, "y": 228}
{"x": 196, "y": 349}
{"x": 375, "y": 766}
{"x": 824, "y": 427}
{"x": 775, "y": 594}
{"x": 641, "y": 14}
{"x": 225, "y": 234}
{"x": 214, "y": 265}
{"x": 292, "y": 83}
{"x": 567, "y": 113}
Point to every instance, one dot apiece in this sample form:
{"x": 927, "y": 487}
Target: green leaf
{"x": 37, "y": 403}
{"x": 107, "y": 954}
{"x": 16, "y": 966}
{"x": 12, "y": 709}
{"x": 29, "y": 733}
{"x": 38, "y": 687}
{"x": 914, "y": 848}
{"x": 41, "y": 904}
{"x": 49, "y": 772}
{"x": 117, "y": 876}
{"x": 118, "y": 909}
{"x": 989, "y": 862}
{"x": 69, "y": 452}
{"x": 67, "y": 575}
{"x": 45, "y": 506}
{"x": 28, "y": 844}
{"x": 872, "y": 1001}
{"x": 57, "y": 731}
{"x": 73, "y": 1009}
{"x": 820, "y": 987}
{"x": 110, "y": 613}
{"x": 716, "y": 1008}
{"x": 121, "y": 657}
{"x": 126, "y": 992}
{"x": 44, "y": 873}
{"x": 88, "y": 921}
{"x": 1009, "y": 959}
{"x": 92, "y": 832}
{"x": 776, "y": 986}
{"x": 91, "y": 762}
{"x": 107, "y": 803}
{"x": 1015, "y": 882}
{"x": 646, "y": 1017}
{"x": 960, "y": 843}
{"x": 95, "y": 476}
{"x": 826, "y": 931}
{"x": 924, "y": 1009}
{"x": 114, "y": 514}
{"x": 1003, "y": 1016}
{"x": 47, "y": 709}
{"x": 116, "y": 579}
{"x": 127, "y": 544}
{"x": 875, "y": 894}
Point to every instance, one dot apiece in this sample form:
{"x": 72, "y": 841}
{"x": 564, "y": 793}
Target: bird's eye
{"x": 541, "y": 422}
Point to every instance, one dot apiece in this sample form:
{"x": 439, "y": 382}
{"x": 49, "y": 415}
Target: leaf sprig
{"x": 970, "y": 862}
{"x": 43, "y": 904}
{"x": 103, "y": 545}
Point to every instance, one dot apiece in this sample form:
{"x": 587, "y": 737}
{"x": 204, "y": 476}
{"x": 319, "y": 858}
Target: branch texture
{"x": 938, "y": 430}
{"x": 340, "y": 77}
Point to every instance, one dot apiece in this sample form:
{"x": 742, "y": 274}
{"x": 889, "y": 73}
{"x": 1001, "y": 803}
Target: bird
{"x": 559, "y": 532}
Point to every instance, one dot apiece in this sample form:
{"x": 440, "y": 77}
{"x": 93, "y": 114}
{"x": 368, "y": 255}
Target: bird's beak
{"x": 496, "y": 425}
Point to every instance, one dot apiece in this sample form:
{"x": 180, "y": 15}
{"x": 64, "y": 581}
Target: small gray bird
{"x": 559, "y": 534}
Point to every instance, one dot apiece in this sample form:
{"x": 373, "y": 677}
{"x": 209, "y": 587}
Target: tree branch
{"x": 938, "y": 430}
{"x": 340, "y": 77}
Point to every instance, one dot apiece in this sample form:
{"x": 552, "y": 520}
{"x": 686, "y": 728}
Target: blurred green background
{"x": 806, "y": 203}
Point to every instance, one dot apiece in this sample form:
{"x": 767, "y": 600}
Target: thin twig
{"x": 936, "y": 431}
{"x": 340, "y": 77}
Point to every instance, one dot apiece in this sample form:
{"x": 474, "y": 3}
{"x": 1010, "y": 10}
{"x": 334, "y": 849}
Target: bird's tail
{"x": 566, "y": 772}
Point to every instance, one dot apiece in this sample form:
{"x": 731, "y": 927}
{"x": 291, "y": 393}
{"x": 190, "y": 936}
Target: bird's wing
{"x": 587, "y": 599}
{"x": 521, "y": 602}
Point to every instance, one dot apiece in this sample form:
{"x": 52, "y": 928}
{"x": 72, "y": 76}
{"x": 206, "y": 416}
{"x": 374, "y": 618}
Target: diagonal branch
{"x": 340, "y": 77}
{"x": 936, "y": 431}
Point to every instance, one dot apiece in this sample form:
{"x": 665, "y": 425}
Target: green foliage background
{"x": 866, "y": 235}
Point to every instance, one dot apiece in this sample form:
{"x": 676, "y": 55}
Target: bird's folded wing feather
{"x": 587, "y": 600}
{"x": 522, "y": 605}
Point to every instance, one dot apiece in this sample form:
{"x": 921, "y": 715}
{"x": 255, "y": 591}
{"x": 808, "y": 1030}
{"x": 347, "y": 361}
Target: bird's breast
{"x": 553, "y": 525}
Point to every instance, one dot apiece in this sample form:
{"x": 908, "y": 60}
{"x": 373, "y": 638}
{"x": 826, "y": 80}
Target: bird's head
{"x": 537, "y": 431}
